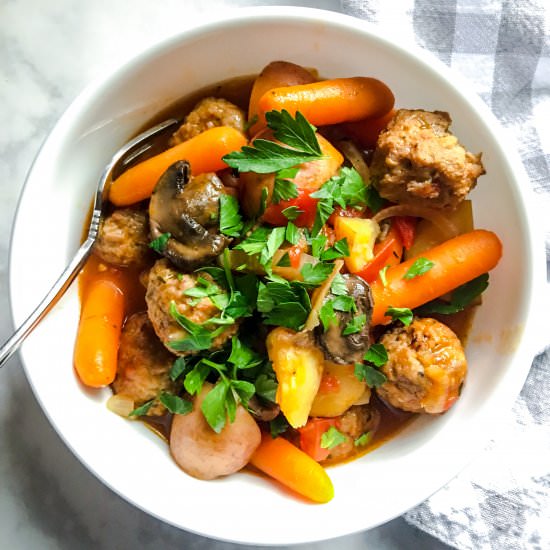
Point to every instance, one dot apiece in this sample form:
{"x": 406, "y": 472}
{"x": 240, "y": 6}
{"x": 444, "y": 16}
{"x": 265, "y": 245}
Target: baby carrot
{"x": 203, "y": 152}
{"x": 292, "y": 467}
{"x": 331, "y": 101}
{"x": 96, "y": 348}
{"x": 274, "y": 75}
{"x": 365, "y": 132}
{"x": 455, "y": 262}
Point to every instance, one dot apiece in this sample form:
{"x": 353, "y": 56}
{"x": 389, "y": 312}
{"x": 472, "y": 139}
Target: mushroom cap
{"x": 188, "y": 208}
{"x": 350, "y": 348}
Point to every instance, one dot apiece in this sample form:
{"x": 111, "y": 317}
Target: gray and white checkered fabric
{"x": 502, "y": 501}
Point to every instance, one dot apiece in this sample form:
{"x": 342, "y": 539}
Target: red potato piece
{"x": 202, "y": 453}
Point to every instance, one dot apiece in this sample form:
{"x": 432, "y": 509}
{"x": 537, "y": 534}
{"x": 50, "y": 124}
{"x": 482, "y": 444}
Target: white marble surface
{"x": 49, "y": 51}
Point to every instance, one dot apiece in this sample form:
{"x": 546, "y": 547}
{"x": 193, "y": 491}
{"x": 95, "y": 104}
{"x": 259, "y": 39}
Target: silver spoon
{"x": 121, "y": 158}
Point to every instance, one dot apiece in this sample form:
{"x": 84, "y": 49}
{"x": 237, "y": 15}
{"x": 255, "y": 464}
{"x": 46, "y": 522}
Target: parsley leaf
{"x": 292, "y": 212}
{"x": 175, "y": 404}
{"x": 327, "y": 315}
{"x": 242, "y": 357}
{"x": 287, "y": 314}
{"x": 195, "y": 378}
{"x": 419, "y": 267}
{"x": 318, "y": 244}
{"x": 283, "y": 187}
{"x": 314, "y": 275}
{"x": 231, "y": 222}
{"x": 292, "y": 234}
{"x": 159, "y": 244}
{"x": 214, "y": 406}
{"x": 340, "y": 249}
{"x": 198, "y": 337}
{"x": 363, "y": 439}
{"x": 264, "y": 157}
{"x": 284, "y": 261}
{"x": 296, "y": 132}
{"x": 460, "y": 298}
{"x": 375, "y": 357}
{"x": 372, "y": 376}
{"x": 178, "y": 368}
{"x": 355, "y": 325}
{"x": 344, "y": 303}
{"x": 143, "y": 409}
{"x": 274, "y": 241}
{"x": 338, "y": 286}
{"x": 332, "y": 438}
{"x": 266, "y": 387}
{"x": 324, "y": 209}
{"x": 403, "y": 314}
{"x": 278, "y": 426}
{"x": 255, "y": 242}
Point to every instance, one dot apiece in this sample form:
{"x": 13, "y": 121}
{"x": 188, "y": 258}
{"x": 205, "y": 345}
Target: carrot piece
{"x": 96, "y": 348}
{"x": 331, "y": 101}
{"x": 274, "y": 75}
{"x": 456, "y": 262}
{"x": 289, "y": 465}
{"x": 365, "y": 132}
{"x": 203, "y": 152}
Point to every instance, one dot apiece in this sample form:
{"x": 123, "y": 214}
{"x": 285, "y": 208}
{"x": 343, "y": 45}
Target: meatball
{"x": 209, "y": 113}
{"x": 123, "y": 238}
{"x": 143, "y": 364}
{"x": 166, "y": 286}
{"x": 417, "y": 161}
{"x": 355, "y": 422}
{"x": 426, "y": 367}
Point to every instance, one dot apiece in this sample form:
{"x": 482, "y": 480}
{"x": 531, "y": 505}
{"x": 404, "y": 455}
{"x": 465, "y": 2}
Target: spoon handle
{"x": 56, "y": 292}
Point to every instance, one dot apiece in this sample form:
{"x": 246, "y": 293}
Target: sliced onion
{"x": 319, "y": 297}
{"x": 352, "y": 153}
{"x": 120, "y": 404}
{"x": 447, "y": 227}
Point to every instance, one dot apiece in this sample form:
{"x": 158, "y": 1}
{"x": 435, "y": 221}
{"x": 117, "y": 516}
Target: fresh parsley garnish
{"x": 266, "y": 387}
{"x": 318, "y": 245}
{"x": 461, "y": 297}
{"x": 314, "y": 275}
{"x": 363, "y": 439}
{"x": 292, "y": 235}
{"x": 375, "y": 358}
{"x": 403, "y": 314}
{"x": 355, "y": 325}
{"x": 175, "y": 404}
{"x": 283, "y": 303}
{"x": 284, "y": 188}
{"x": 338, "y": 286}
{"x": 278, "y": 426}
{"x": 198, "y": 336}
{"x": 264, "y": 156}
{"x": 178, "y": 368}
{"x": 332, "y": 438}
{"x": 284, "y": 261}
{"x": 292, "y": 212}
{"x": 419, "y": 267}
{"x": 143, "y": 409}
{"x": 159, "y": 244}
{"x": 327, "y": 315}
{"x": 231, "y": 222}
{"x": 340, "y": 249}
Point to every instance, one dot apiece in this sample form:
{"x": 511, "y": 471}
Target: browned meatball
{"x": 418, "y": 161}
{"x": 426, "y": 367}
{"x": 209, "y": 113}
{"x": 355, "y": 422}
{"x": 166, "y": 286}
{"x": 123, "y": 238}
{"x": 143, "y": 364}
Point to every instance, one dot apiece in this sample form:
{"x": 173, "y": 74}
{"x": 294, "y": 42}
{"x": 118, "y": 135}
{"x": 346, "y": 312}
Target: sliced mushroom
{"x": 348, "y": 349}
{"x": 188, "y": 208}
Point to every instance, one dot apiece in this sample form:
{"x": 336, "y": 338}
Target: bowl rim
{"x": 238, "y": 16}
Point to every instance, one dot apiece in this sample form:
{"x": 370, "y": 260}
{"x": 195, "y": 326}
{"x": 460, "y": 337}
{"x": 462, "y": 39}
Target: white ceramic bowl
{"x": 127, "y": 456}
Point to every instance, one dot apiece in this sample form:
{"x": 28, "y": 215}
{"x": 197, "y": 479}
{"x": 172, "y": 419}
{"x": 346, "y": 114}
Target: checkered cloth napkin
{"x": 502, "y": 501}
